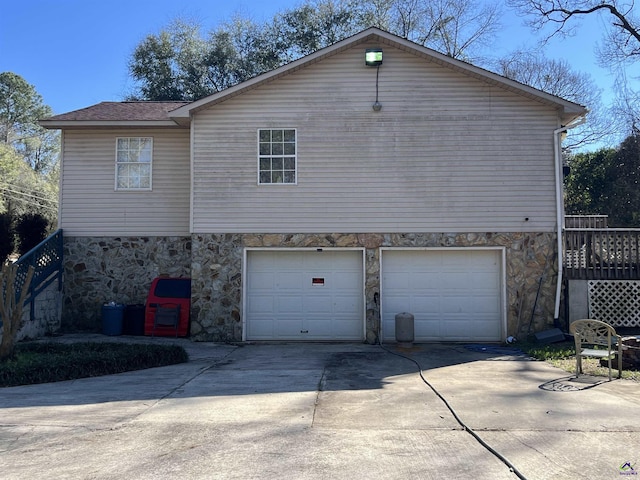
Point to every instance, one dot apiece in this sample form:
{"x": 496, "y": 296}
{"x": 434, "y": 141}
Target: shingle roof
{"x": 121, "y": 111}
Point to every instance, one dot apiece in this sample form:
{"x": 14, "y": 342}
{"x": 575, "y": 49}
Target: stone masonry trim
{"x": 122, "y": 268}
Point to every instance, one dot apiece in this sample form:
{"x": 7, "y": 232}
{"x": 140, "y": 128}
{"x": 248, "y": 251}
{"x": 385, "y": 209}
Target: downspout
{"x": 557, "y": 149}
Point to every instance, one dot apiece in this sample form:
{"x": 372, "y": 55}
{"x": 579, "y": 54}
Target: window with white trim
{"x": 133, "y": 163}
{"x": 277, "y": 156}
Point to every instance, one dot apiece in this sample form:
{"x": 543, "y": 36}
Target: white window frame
{"x": 284, "y": 156}
{"x": 119, "y": 163}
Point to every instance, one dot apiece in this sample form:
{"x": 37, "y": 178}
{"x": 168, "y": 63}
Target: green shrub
{"x": 54, "y": 362}
{"x": 31, "y": 229}
{"x": 7, "y": 241}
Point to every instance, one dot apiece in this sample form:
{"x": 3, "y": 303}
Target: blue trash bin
{"x": 133, "y": 320}
{"x": 112, "y": 318}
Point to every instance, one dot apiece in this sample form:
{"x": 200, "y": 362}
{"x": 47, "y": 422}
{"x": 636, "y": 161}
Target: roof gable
{"x": 569, "y": 111}
{"x": 178, "y": 113}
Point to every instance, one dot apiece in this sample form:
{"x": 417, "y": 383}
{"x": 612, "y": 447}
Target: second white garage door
{"x": 304, "y": 295}
{"x": 454, "y": 295}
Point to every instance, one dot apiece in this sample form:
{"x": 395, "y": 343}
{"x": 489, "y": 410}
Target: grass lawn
{"x": 562, "y": 355}
{"x": 42, "y": 362}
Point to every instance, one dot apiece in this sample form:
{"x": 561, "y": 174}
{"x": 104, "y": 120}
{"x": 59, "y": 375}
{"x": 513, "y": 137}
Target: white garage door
{"x": 304, "y": 295}
{"x": 454, "y": 295}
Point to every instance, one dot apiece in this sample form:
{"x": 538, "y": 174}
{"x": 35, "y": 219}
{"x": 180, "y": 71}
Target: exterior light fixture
{"x": 373, "y": 57}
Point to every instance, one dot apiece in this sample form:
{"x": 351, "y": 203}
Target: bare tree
{"x": 618, "y": 49}
{"x": 558, "y": 78}
{"x": 458, "y": 28}
{"x": 624, "y": 34}
{"x": 625, "y": 111}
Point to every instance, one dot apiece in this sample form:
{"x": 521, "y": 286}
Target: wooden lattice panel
{"x": 616, "y": 302}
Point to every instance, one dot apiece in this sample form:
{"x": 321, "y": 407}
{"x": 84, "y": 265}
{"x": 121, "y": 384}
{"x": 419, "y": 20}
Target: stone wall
{"x": 630, "y": 354}
{"x": 99, "y": 270}
{"x": 46, "y": 314}
{"x": 217, "y": 274}
{"x": 120, "y": 269}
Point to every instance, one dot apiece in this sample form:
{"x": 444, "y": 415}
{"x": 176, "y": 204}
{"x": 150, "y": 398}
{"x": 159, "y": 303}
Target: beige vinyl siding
{"x": 446, "y": 153}
{"x": 90, "y": 205}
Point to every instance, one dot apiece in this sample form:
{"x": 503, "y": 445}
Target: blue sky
{"x": 75, "y": 52}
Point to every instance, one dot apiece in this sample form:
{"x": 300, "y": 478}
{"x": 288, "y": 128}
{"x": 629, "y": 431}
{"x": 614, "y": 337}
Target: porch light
{"x": 373, "y": 57}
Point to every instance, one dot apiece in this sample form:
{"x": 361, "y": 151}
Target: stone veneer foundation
{"x": 121, "y": 269}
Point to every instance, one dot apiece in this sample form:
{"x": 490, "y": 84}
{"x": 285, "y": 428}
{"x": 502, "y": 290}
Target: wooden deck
{"x": 602, "y": 253}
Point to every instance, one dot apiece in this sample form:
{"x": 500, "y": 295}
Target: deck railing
{"x": 46, "y": 259}
{"x": 602, "y": 253}
{"x": 586, "y": 221}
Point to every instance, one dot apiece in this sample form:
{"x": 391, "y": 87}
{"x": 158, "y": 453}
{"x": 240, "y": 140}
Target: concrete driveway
{"x": 324, "y": 411}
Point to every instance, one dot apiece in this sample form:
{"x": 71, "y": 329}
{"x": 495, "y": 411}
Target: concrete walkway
{"x": 322, "y": 411}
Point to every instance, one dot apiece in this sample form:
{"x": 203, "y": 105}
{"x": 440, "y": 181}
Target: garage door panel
{"x": 399, "y": 280}
{"x": 316, "y": 330}
{"x": 317, "y": 304}
{"x": 344, "y": 327}
{"x": 425, "y": 304}
{"x": 289, "y": 281}
{"x": 261, "y": 278}
{"x": 453, "y": 281}
{"x": 486, "y": 305}
{"x": 335, "y": 328}
{"x": 484, "y": 327}
{"x": 487, "y": 262}
{"x": 429, "y": 328}
{"x": 346, "y": 305}
{"x": 261, "y": 304}
{"x": 454, "y": 295}
{"x": 456, "y": 327}
{"x": 313, "y": 295}
{"x": 287, "y": 327}
{"x": 263, "y": 327}
{"x": 344, "y": 282}
{"x": 413, "y": 281}
{"x": 463, "y": 330}
{"x": 315, "y": 262}
{"x": 488, "y": 280}
{"x": 397, "y": 303}
{"x": 288, "y": 304}
{"x": 456, "y": 304}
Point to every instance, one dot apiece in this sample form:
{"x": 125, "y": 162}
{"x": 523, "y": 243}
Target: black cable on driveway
{"x": 464, "y": 426}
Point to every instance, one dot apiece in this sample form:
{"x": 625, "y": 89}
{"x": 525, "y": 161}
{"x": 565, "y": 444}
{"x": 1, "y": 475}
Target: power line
{"x": 30, "y": 195}
{"x": 34, "y": 197}
{"x": 30, "y": 199}
{"x": 34, "y": 204}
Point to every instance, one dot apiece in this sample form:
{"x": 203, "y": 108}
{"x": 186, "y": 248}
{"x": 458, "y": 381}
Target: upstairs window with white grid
{"x": 277, "y": 156}
{"x": 133, "y": 163}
